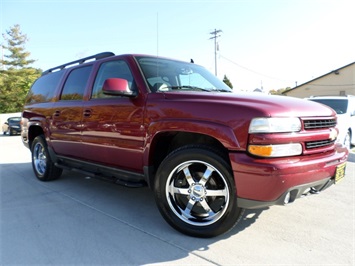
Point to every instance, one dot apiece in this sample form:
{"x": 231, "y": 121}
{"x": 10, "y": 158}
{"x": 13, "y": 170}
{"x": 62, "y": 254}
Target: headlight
{"x": 277, "y": 150}
{"x": 275, "y": 124}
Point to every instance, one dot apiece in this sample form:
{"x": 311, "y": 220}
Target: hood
{"x": 261, "y": 104}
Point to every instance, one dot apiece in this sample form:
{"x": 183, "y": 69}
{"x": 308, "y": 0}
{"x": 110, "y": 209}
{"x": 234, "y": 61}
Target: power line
{"x": 250, "y": 70}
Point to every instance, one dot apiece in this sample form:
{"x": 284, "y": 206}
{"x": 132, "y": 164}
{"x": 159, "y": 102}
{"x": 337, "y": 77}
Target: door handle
{"x": 87, "y": 112}
{"x": 56, "y": 113}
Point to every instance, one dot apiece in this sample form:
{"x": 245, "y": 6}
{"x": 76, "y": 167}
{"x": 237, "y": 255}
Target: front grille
{"x": 319, "y": 143}
{"x": 319, "y": 123}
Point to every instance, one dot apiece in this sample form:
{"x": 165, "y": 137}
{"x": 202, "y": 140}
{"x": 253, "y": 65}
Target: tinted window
{"x": 340, "y": 106}
{"x": 170, "y": 75}
{"x": 112, "y": 69}
{"x": 44, "y": 88}
{"x": 75, "y": 84}
{"x": 14, "y": 119}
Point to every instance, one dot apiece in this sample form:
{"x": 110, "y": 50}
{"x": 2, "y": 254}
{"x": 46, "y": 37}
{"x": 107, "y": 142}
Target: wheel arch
{"x": 171, "y": 136}
{"x": 34, "y": 131}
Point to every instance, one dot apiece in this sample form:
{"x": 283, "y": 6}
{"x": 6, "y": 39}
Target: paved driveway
{"x": 81, "y": 221}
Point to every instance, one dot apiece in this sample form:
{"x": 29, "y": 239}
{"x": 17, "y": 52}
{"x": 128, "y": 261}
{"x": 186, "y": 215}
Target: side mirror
{"x": 117, "y": 87}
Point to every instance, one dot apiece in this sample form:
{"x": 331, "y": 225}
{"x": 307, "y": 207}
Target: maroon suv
{"x": 207, "y": 153}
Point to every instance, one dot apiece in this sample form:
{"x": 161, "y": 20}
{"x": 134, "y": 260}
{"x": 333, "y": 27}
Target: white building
{"x": 337, "y": 82}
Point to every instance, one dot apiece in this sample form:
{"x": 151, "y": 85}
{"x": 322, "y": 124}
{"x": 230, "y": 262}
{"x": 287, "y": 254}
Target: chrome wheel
{"x": 43, "y": 167}
{"x": 197, "y": 193}
{"x": 39, "y": 159}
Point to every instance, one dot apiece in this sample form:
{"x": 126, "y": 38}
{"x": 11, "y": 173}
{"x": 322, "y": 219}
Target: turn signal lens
{"x": 279, "y": 150}
{"x": 264, "y": 151}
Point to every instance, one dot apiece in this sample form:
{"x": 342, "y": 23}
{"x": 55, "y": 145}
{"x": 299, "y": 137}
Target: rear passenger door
{"x": 67, "y": 114}
{"x": 113, "y": 132}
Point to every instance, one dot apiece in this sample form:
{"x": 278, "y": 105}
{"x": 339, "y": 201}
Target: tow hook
{"x": 314, "y": 190}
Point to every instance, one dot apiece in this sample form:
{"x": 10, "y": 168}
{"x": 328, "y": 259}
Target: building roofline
{"x": 331, "y": 72}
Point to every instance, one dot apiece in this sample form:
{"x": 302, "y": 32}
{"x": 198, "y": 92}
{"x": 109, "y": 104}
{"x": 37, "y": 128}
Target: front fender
{"x": 221, "y": 133}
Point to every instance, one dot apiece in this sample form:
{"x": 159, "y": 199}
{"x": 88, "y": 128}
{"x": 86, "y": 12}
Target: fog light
{"x": 287, "y": 198}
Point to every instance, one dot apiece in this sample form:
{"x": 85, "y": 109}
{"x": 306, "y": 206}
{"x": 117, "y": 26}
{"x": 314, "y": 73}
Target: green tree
{"x": 16, "y": 41}
{"x": 14, "y": 85}
{"x": 279, "y": 91}
{"x": 227, "y": 81}
{"x": 16, "y": 76}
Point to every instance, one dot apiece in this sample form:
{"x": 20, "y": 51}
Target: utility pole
{"x": 215, "y": 34}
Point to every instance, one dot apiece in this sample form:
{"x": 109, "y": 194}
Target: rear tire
{"x": 195, "y": 192}
{"x": 43, "y": 167}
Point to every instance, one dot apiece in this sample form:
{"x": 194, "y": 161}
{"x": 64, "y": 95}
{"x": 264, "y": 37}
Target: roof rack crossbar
{"x": 79, "y": 61}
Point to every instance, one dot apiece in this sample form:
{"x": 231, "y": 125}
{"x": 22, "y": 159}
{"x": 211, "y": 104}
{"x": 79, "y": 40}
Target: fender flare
{"x": 220, "y": 132}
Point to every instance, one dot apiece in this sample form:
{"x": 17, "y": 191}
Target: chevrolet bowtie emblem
{"x": 333, "y": 134}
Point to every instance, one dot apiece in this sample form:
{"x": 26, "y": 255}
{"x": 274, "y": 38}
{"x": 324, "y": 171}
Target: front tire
{"x": 195, "y": 192}
{"x": 43, "y": 167}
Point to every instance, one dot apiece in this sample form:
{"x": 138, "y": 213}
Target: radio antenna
{"x": 157, "y": 33}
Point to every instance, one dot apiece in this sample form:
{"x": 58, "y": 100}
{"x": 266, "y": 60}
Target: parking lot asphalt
{"x": 82, "y": 221}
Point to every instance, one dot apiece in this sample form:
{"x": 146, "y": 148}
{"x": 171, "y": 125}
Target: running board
{"x": 112, "y": 179}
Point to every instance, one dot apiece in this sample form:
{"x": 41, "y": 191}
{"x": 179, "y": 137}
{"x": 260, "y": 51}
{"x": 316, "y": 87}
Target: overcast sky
{"x": 268, "y": 43}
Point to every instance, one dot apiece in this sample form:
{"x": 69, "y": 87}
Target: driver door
{"x": 112, "y": 125}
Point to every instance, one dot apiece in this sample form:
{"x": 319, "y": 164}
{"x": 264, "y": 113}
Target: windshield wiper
{"x": 193, "y": 88}
{"x": 187, "y": 87}
{"x": 220, "y": 90}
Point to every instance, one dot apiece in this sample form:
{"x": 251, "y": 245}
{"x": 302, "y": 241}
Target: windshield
{"x": 163, "y": 75}
{"x": 339, "y": 105}
{"x": 14, "y": 119}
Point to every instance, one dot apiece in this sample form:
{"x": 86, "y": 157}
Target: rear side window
{"x": 44, "y": 88}
{"x": 75, "y": 84}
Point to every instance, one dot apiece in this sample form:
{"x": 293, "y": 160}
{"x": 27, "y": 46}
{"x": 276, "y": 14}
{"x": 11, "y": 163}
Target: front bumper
{"x": 266, "y": 182}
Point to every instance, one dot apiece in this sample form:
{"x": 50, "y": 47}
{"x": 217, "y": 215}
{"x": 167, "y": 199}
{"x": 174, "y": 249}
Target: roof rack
{"x": 80, "y": 61}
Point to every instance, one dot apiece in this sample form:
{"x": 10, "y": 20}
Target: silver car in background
{"x": 344, "y": 106}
